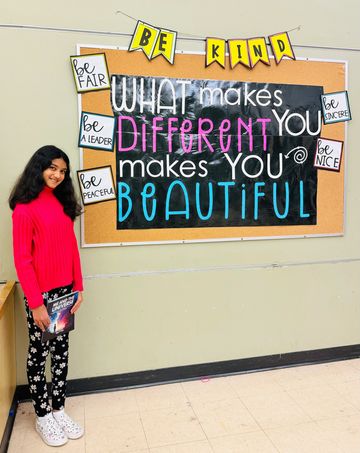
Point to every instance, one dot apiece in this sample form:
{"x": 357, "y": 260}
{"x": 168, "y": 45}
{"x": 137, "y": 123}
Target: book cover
{"x": 61, "y": 320}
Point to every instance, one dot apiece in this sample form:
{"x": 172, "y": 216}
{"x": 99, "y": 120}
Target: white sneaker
{"x": 50, "y": 431}
{"x": 70, "y": 428}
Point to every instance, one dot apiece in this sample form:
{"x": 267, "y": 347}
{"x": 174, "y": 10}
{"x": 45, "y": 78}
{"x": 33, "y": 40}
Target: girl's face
{"x": 55, "y": 174}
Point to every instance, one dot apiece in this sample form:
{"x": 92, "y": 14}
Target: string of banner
{"x": 155, "y": 41}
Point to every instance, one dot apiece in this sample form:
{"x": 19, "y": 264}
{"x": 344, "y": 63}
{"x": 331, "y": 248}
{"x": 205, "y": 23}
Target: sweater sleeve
{"x": 77, "y": 275}
{"x": 22, "y": 248}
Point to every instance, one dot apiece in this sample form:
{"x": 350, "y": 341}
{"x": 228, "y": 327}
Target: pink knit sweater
{"x": 46, "y": 254}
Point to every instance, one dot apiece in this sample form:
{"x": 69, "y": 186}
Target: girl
{"x": 48, "y": 266}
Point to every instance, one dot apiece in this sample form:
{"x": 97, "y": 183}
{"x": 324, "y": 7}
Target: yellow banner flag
{"x": 215, "y": 51}
{"x": 281, "y": 47}
{"x": 239, "y": 52}
{"x": 144, "y": 38}
{"x": 258, "y": 51}
{"x": 165, "y": 45}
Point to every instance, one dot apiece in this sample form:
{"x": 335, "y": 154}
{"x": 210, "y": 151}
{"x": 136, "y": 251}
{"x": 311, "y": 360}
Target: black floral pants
{"x": 37, "y": 354}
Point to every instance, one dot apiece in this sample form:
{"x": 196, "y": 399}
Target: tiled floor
{"x": 308, "y": 409}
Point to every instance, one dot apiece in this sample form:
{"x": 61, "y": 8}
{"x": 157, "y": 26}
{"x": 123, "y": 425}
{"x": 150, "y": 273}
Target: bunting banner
{"x": 281, "y": 46}
{"x": 165, "y": 45}
{"x": 258, "y": 51}
{"x": 155, "y": 41}
{"x": 215, "y": 51}
{"x": 239, "y": 53}
{"x": 144, "y": 38}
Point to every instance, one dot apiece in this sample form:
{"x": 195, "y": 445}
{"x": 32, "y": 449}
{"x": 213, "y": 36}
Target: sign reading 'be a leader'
{"x": 96, "y": 131}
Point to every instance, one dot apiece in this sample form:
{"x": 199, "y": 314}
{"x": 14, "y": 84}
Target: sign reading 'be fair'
{"x": 90, "y": 72}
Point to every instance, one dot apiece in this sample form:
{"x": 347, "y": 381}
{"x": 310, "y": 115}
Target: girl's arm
{"x": 77, "y": 274}
{"x": 22, "y": 244}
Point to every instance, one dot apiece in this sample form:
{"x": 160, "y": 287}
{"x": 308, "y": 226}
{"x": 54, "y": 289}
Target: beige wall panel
{"x": 150, "y": 322}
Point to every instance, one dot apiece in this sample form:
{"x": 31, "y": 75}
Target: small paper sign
{"x": 96, "y": 131}
{"x": 90, "y": 72}
{"x": 335, "y": 107}
{"x": 96, "y": 185}
{"x": 328, "y": 154}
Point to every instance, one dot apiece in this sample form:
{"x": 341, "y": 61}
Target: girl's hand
{"x": 77, "y": 304}
{"x": 41, "y": 317}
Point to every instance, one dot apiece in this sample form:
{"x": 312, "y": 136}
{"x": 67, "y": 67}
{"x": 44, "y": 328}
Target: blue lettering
{"x": 302, "y": 214}
{"x": 257, "y": 195}
{"x": 186, "y": 212}
{"x": 123, "y": 194}
{"x": 145, "y": 195}
{"x": 275, "y": 204}
{"x": 211, "y": 201}
{"x": 226, "y": 186}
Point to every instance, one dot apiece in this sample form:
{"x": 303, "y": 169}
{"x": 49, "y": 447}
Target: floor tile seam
{"x": 279, "y": 428}
{"x": 90, "y": 417}
{"x": 305, "y": 411}
{"x": 286, "y": 425}
{"x": 256, "y": 393}
{"x": 307, "y": 423}
{"x": 282, "y": 392}
{"x": 183, "y": 392}
{"x": 244, "y": 434}
{"x": 341, "y": 394}
{"x": 175, "y": 443}
{"x": 348, "y": 401}
{"x": 111, "y": 416}
{"x": 198, "y": 421}
{"x": 335, "y": 381}
{"x": 324, "y": 418}
{"x": 272, "y": 442}
{"x": 118, "y": 451}
{"x": 209, "y": 438}
{"x": 144, "y": 432}
{"x": 168, "y": 408}
{"x": 318, "y": 422}
{"x": 165, "y": 405}
{"x": 228, "y": 385}
{"x": 212, "y": 401}
{"x": 261, "y": 428}
{"x": 249, "y": 431}
{"x": 333, "y": 439}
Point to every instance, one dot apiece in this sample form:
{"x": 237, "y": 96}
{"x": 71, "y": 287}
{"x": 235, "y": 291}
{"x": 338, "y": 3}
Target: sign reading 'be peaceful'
{"x": 96, "y": 185}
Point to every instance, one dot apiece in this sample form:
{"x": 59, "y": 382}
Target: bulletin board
{"x": 235, "y": 162}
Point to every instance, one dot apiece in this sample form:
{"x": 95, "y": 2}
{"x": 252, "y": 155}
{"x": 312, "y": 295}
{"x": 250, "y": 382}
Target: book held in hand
{"x": 61, "y": 320}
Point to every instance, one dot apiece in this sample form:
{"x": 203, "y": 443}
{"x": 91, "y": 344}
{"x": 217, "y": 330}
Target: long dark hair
{"x": 31, "y": 181}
